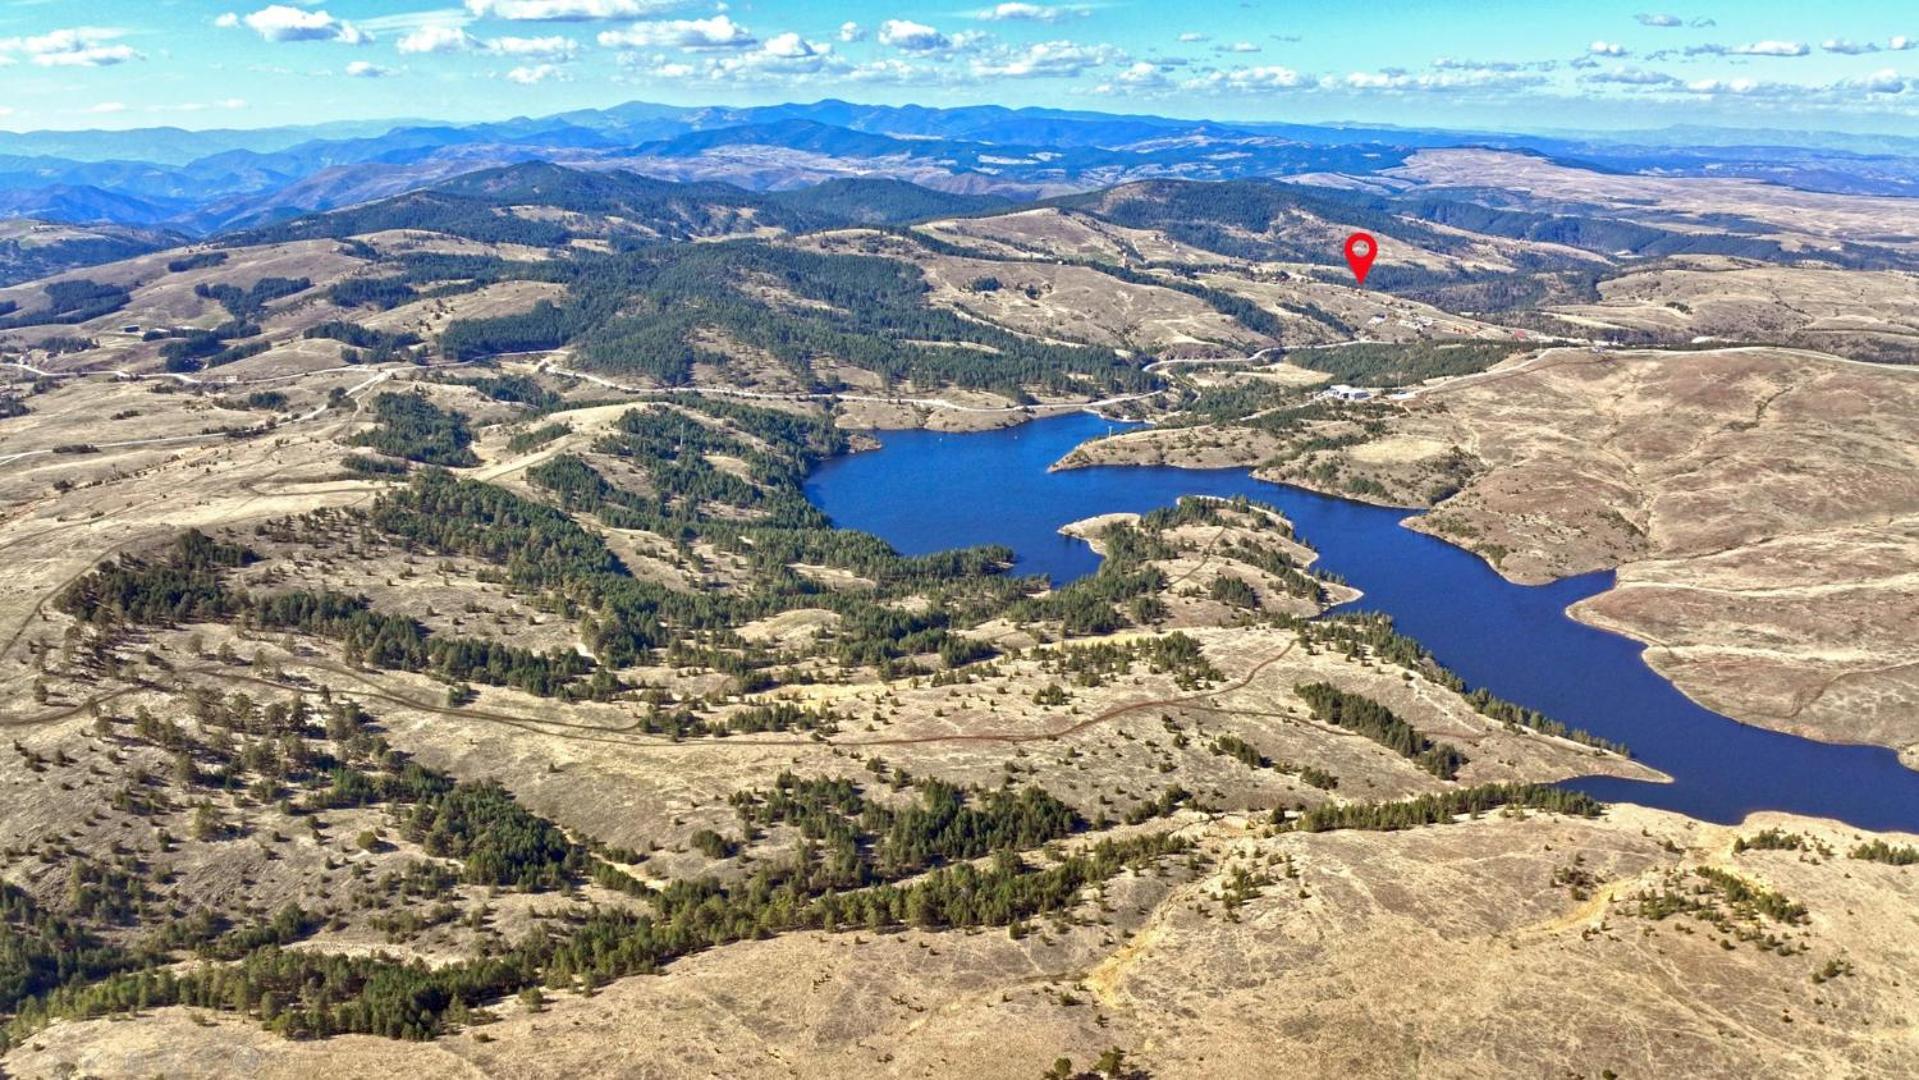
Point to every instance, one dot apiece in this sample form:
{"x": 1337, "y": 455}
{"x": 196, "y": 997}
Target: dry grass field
{"x": 1840, "y": 311}
{"x": 530, "y": 663}
{"x": 1758, "y": 502}
{"x": 1805, "y": 220}
{"x": 1502, "y": 945}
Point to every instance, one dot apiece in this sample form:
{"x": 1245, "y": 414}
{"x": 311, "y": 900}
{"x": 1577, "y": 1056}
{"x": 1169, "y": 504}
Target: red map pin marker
{"x": 1361, "y": 249}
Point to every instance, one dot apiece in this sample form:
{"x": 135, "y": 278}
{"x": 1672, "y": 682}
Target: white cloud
{"x": 1141, "y": 77}
{"x": 1659, "y": 20}
{"x": 534, "y": 74}
{"x": 109, "y": 107}
{"x": 718, "y": 32}
{"x": 567, "y": 10}
{"x": 787, "y": 53}
{"x": 1237, "y": 47}
{"x": 80, "y": 46}
{"x": 1247, "y": 79}
{"x": 895, "y": 72}
{"x": 227, "y": 21}
{"x": 1448, "y": 63}
{"x": 851, "y": 32}
{"x": 90, "y": 56}
{"x": 1848, "y": 48}
{"x": 1366, "y": 80}
{"x": 408, "y": 21}
{"x": 1030, "y": 13}
{"x": 784, "y": 57}
{"x": 1631, "y": 76}
{"x": 362, "y": 69}
{"x": 1192, "y": 37}
{"x": 1772, "y": 48}
{"x": 789, "y": 46}
{"x": 1607, "y": 48}
{"x": 1845, "y": 91}
{"x": 1047, "y": 59}
{"x": 912, "y": 37}
{"x": 1756, "y": 48}
{"x": 436, "y": 39}
{"x": 1727, "y": 86}
{"x": 1394, "y": 81}
{"x": 1883, "y": 81}
{"x": 542, "y": 48}
{"x": 1900, "y": 43}
{"x": 453, "y": 39}
{"x": 283, "y": 22}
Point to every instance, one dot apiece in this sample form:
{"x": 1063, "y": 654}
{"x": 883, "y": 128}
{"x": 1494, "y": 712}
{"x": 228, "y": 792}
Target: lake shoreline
{"x": 923, "y": 491}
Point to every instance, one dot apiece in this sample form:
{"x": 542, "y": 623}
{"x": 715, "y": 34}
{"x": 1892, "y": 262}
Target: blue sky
{"x": 1491, "y": 64}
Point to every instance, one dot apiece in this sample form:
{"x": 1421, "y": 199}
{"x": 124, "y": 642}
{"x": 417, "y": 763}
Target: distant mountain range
{"x": 204, "y": 182}
{"x": 606, "y": 204}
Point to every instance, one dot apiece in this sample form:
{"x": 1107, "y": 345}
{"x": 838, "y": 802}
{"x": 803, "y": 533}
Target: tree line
{"x": 186, "y": 584}
{"x": 1367, "y": 717}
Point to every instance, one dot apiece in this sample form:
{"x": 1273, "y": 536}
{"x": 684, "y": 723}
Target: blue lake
{"x": 927, "y": 492}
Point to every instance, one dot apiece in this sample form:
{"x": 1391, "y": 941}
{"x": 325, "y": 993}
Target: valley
{"x": 488, "y": 626}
